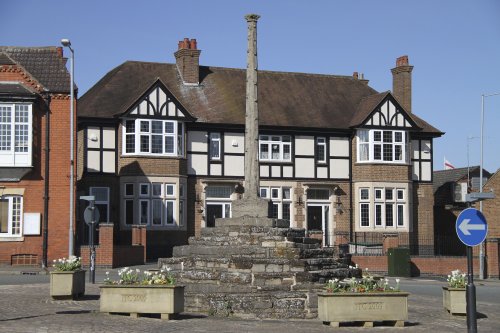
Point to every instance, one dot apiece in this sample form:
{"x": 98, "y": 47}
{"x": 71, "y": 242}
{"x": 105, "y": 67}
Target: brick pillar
{"x": 139, "y": 237}
{"x": 104, "y": 250}
{"x": 390, "y": 240}
{"x": 492, "y": 246}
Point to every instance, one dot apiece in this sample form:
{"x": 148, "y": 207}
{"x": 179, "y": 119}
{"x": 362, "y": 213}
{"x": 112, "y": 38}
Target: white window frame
{"x": 215, "y": 145}
{"x": 366, "y": 140}
{"x": 321, "y": 143}
{"x": 271, "y": 141}
{"x": 10, "y": 131}
{"x": 364, "y": 202}
{"x": 14, "y": 215}
{"x": 275, "y": 194}
{"x": 176, "y": 135}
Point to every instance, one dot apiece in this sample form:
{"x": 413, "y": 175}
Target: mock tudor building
{"x": 34, "y": 155}
{"x": 162, "y": 145}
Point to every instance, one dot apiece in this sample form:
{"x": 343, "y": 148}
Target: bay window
{"x": 153, "y": 137}
{"x": 382, "y": 146}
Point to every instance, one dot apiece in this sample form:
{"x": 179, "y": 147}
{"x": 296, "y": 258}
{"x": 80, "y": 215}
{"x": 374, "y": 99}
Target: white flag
{"x": 448, "y": 165}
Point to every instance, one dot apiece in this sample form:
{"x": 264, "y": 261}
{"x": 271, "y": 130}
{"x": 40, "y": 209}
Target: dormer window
{"x": 153, "y": 137}
{"x": 382, "y": 146}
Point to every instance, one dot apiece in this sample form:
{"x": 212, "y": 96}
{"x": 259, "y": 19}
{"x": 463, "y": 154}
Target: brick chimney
{"x": 187, "y": 59}
{"x": 401, "y": 82}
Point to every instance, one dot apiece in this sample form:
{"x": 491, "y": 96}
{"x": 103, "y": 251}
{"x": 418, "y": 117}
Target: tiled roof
{"x": 285, "y": 99}
{"x": 43, "y": 63}
{"x": 17, "y": 89}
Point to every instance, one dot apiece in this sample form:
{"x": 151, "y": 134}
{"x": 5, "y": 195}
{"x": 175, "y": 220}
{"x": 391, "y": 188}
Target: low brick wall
{"x": 438, "y": 266}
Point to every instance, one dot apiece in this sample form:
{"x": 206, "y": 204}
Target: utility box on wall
{"x": 398, "y": 262}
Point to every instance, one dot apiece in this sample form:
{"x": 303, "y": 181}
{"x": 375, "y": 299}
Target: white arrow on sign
{"x": 465, "y": 227}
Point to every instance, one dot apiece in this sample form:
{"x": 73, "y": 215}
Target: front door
{"x": 215, "y": 211}
{"x": 318, "y": 218}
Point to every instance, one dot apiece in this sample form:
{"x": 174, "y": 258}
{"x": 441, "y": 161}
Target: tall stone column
{"x": 252, "y": 172}
{"x": 251, "y": 205}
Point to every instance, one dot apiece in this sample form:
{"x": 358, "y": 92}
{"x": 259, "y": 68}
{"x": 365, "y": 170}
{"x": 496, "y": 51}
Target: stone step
{"x": 326, "y": 252}
{"x": 256, "y": 231}
{"x": 322, "y": 276}
{"x": 220, "y": 251}
{"x": 314, "y": 264}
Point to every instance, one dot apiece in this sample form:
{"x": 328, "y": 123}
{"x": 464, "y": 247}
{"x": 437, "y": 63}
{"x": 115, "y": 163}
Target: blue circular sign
{"x": 471, "y": 227}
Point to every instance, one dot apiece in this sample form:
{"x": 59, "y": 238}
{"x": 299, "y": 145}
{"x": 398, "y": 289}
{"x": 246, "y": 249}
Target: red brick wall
{"x": 491, "y": 208}
{"x": 33, "y": 183}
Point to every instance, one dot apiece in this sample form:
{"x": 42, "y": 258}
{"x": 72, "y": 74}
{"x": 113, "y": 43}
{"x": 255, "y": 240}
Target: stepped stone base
{"x": 251, "y": 268}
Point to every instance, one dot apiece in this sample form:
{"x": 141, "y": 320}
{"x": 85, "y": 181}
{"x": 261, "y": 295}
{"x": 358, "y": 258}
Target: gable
{"x": 389, "y": 114}
{"x": 157, "y": 101}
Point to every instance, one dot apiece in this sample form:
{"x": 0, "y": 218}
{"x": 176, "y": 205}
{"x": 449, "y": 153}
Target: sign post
{"x": 471, "y": 229}
{"x": 91, "y": 217}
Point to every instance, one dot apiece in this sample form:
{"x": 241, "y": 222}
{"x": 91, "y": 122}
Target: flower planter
{"x": 165, "y": 300}
{"x": 334, "y": 308}
{"x": 67, "y": 284}
{"x": 454, "y": 300}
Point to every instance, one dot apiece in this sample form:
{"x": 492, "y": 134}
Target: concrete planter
{"x": 454, "y": 300}
{"x": 69, "y": 284}
{"x": 334, "y": 308}
{"x": 142, "y": 299}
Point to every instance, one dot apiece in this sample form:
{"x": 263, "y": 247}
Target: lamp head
{"x": 65, "y": 42}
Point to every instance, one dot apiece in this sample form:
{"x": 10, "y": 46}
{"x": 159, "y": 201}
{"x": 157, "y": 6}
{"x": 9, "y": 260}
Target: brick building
{"x": 491, "y": 208}
{"x": 34, "y": 155}
{"x": 162, "y": 146}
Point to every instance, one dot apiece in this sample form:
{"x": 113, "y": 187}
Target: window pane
{"x": 387, "y": 152}
{"x": 170, "y": 189}
{"x": 263, "y": 192}
{"x": 264, "y": 151}
{"x": 389, "y": 215}
{"x": 157, "y": 209}
{"x": 156, "y": 126}
{"x": 129, "y": 212}
{"x": 365, "y": 214}
{"x": 388, "y": 194}
{"x": 144, "y": 189}
{"x": 286, "y": 138}
{"x": 274, "y": 210}
{"x": 227, "y": 210}
{"x": 144, "y": 143}
{"x": 218, "y": 191}
{"x": 377, "y": 136}
{"x": 378, "y": 215}
{"x": 398, "y": 152}
{"x": 286, "y": 211}
{"x": 156, "y": 189}
{"x": 156, "y": 144}
{"x": 364, "y": 194}
{"x": 286, "y": 193}
{"x": 318, "y": 194}
{"x": 401, "y": 194}
{"x": 100, "y": 193}
{"x": 363, "y": 136}
{"x": 215, "y": 145}
{"x": 363, "y": 152}
{"x": 387, "y": 136}
{"x": 320, "y": 152}
{"x": 144, "y": 209}
{"x": 169, "y": 144}
{"x": 5, "y": 128}
{"x": 130, "y": 143}
{"x": 398, "y": 137}
{"x": 129, "y": 189}
{"x": 378, "y": 193}
{"x": 130, "y": 126}
{"x": 21, "y": 138}
{"x": 286, "y": 152}
{"x": 275, "y": 193}
{"x": 377, "y": 152}
{"x": 144, "y": 126}
{"x": 401, "y": 215}
{"x": 170, "y": 212}
{"x": 169, "y": 127}
{"x": 275, "y": 152}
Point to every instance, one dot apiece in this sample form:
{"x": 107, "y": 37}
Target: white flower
{"x": 397, "y": 280}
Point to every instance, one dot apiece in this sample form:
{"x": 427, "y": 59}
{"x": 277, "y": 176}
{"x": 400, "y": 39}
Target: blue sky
{"x": 453, "y": 44}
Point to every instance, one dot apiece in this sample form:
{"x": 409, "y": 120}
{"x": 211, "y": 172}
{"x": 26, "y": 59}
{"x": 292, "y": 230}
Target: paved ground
{"x": 29, "y": 308}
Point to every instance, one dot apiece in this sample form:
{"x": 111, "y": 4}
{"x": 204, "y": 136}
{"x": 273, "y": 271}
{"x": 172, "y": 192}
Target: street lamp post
{"x": 67, "y": 43}
{"x": 481, "y": 250}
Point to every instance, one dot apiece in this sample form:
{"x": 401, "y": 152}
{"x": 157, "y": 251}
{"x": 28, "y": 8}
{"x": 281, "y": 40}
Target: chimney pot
{"x": 402, "y": 61}
{"x": 60, "y": 51}
{"x": 355, "y": 75}
{"x": 193, "y": 44}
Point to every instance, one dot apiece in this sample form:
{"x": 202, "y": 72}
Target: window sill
{"x": 11, "y": 239}
{"x": 381, "y": 163}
